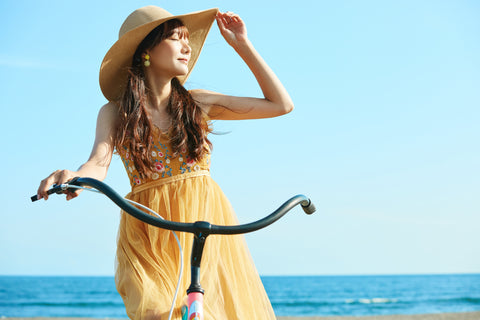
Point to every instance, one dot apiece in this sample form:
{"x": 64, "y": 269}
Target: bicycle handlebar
{"x": 199, "y": 226}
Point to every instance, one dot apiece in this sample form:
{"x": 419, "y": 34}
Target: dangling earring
{"x": 146, "y": 63}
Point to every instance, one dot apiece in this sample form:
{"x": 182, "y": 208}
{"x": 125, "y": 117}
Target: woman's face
{"x": 171, "y": 56}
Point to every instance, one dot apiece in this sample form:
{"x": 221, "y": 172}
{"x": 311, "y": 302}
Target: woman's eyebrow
{"x": 182, "y": 32}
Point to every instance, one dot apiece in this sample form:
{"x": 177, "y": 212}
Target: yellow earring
{"x": 146, "y": 63}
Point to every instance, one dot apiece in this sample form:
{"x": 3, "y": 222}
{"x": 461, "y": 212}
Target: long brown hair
{"x": 189, "y": 129}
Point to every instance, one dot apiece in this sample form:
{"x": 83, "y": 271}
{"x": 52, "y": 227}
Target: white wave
{"x": 370, "y": 301}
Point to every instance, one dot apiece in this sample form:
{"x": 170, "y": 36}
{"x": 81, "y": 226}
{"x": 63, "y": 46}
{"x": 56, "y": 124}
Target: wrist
{"x": 242, "y": 46}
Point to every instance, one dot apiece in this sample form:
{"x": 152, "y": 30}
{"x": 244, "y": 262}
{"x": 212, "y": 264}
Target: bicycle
{"x": 193, "y": 310}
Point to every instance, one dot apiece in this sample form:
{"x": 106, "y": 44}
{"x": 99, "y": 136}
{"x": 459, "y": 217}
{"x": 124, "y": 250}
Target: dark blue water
{"x": 297, "y": 296}
{"x": 374, "y": 295}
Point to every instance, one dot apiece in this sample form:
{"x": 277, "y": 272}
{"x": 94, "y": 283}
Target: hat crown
{"x": 142, "y": 16}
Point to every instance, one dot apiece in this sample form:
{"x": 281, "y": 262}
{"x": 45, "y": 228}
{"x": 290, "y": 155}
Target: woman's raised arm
{"x": 276, "y": 99}
{"x": 100, "y": 157}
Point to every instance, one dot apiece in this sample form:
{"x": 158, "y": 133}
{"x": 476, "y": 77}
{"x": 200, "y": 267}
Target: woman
{"x": 160, "y": 130}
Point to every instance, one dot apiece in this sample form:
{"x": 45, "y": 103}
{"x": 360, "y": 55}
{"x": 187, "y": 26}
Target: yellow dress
{"x": 148, "y": 257}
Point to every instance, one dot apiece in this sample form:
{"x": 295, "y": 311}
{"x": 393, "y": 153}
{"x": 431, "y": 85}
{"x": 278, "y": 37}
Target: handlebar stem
{"x": 196, "y": 258}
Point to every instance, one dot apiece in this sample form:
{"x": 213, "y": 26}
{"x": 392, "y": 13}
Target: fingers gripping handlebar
{"x": 199, "y": 226}
{"x": 57, "y": 188}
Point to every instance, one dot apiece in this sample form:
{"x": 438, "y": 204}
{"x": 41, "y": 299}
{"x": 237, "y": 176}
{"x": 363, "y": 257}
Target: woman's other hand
{"x": 232, "y": 28}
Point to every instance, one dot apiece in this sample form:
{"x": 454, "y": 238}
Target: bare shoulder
{"x": 108, "y": 113}
{"x": 109, "y": 109}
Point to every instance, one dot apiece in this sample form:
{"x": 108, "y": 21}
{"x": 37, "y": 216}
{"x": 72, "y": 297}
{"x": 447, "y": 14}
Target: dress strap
{"x": 162, "y": 181}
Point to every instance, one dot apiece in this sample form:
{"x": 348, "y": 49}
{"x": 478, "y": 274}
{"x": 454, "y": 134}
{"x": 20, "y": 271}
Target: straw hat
{"x": 113, "y": 71}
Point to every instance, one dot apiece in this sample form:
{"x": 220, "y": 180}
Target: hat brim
{"x": 114, "y": 68}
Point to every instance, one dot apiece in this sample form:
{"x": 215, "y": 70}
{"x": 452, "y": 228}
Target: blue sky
{"x": 384, "y": 137}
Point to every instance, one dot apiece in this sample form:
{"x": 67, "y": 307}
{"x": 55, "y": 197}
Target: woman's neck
{"x": 158, "y": 101}
{"x": 160, "y": 90}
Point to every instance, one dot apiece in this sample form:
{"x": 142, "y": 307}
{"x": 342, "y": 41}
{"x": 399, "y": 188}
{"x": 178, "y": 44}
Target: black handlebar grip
{"x": 309, "y": 208}
{"x": 55, "y": 189}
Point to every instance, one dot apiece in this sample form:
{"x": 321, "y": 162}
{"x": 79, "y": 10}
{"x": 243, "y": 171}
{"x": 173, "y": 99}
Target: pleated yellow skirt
{"x": 148, "y": 257}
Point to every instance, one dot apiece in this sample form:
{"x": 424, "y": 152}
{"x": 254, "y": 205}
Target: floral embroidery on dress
{"x": 165, "y": 163}
{"x": 189, "y": 165}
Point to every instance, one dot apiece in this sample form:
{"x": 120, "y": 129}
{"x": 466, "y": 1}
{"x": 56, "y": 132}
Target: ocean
{"x": 31, "y": 296}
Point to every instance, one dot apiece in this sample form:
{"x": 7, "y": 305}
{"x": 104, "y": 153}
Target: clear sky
{"x": 384, "y": 137}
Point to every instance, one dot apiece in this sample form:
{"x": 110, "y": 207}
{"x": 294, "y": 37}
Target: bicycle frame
{"x": 200, "y": 229}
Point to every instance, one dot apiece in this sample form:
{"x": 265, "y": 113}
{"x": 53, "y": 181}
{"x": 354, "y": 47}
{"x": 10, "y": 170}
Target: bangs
{"x": 175, "y": 26}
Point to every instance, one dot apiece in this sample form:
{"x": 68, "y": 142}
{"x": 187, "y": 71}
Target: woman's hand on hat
{"x": 232, "y": 28}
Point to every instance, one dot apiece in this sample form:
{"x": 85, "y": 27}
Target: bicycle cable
{"x": 180, "y": 274}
